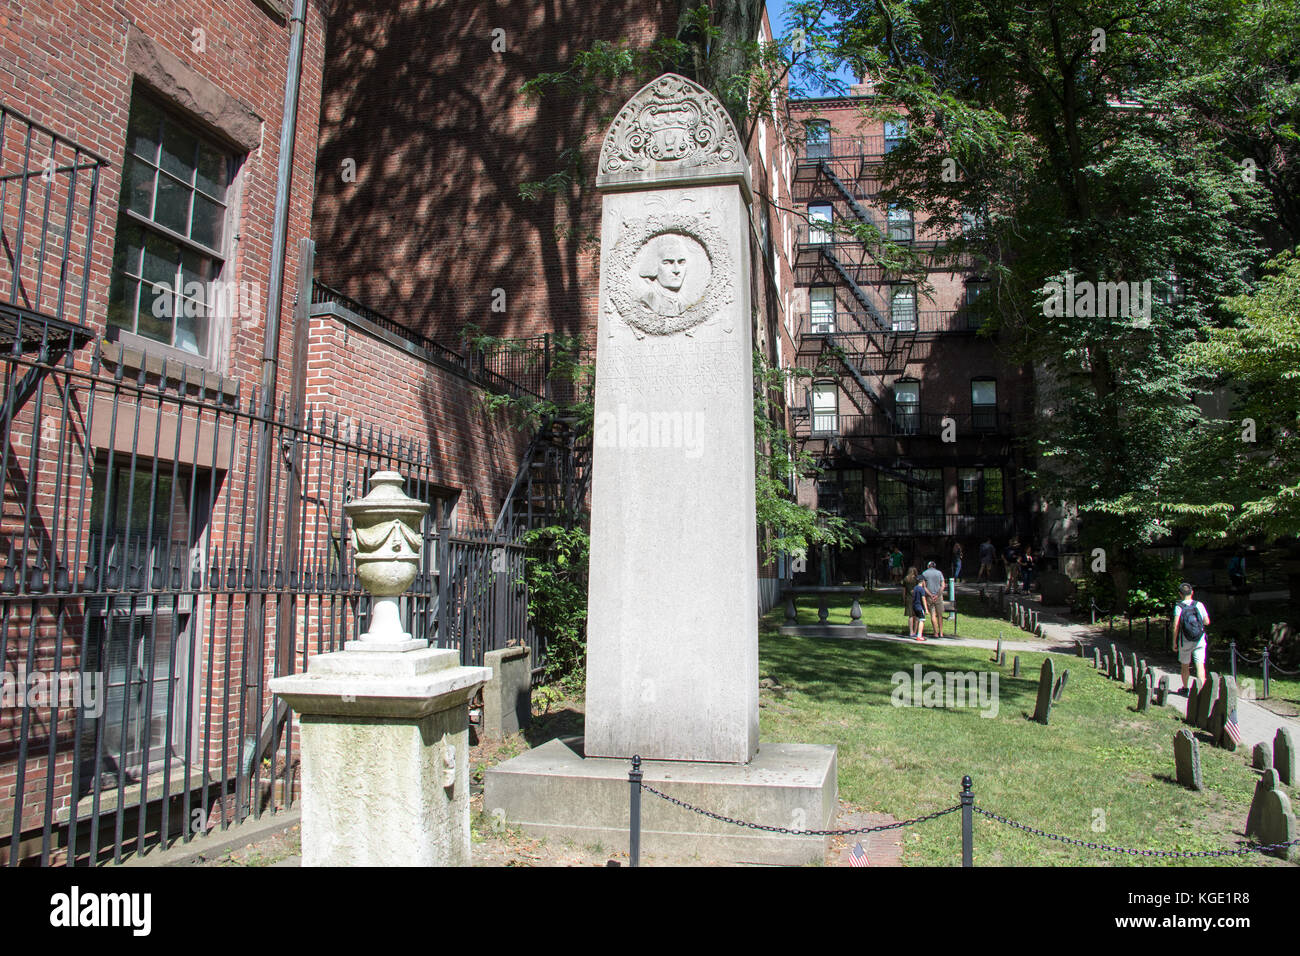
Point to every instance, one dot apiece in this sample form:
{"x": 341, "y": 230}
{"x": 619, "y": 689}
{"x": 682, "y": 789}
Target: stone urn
{"x": 386, "y": 537}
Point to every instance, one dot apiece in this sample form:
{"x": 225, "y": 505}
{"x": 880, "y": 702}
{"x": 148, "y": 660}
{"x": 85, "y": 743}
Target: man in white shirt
{"x": 1191, "y": 620}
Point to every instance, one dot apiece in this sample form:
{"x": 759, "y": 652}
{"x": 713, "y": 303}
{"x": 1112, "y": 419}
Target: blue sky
{"x": 776, "y": 14}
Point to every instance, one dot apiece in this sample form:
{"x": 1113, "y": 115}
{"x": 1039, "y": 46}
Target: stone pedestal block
{"x": 385, "y": 757}
{"x": 507, "y": 696}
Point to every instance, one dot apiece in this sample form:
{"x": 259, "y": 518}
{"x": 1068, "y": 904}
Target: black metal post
{"x": 967, "y": 822}
{"x": 1232, "y": 655}
{"x": 1265, "y": 697}
{"x": 634, "y": 778}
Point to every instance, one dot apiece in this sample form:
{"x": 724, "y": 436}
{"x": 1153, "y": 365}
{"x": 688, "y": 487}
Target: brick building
{"x": 911, "y": 411}
{"x": 185, "y": 414}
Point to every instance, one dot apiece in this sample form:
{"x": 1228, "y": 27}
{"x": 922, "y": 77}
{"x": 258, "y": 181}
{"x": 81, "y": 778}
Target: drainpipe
{"x": 255, "y": 618}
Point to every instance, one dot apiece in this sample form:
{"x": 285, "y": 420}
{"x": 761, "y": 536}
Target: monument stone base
{"x": 555, "y": 792}
{"x": 385, "y": 757}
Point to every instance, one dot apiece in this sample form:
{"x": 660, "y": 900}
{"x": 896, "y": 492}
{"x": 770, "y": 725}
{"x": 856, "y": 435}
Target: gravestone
{"x": 1116, "y": 664}
{"x": 1261, "y": 757}
{"x": 1277, "y": 823}
{"x": 1002, "y": 659}
{"x": 1132, "y": 675}
{"x": 1055, "y": 588}
{"x": 1015, "y": 666}
{"x": 1162, "y": 690}
{"x": 1225, "y": 708}
{"x": 1059, "y": 689}
{"x": 1144, "y": 692}
{"x": 1187, "y": 760}
{"x": 1284, "y": 756}
{"x": 1046, "y": 678}
{"x": 672, "y": 647}
{"x": 1267, "y": 782}
{"x": 1193, "y": 696}
{"x": 1078, "y": 648}
{"x": 997, "y": 654}
{"x": 1205, "y": 701}
{"x": 1096, "y": 657}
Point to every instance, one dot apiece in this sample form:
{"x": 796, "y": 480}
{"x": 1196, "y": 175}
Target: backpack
{"x": 1190, "y": 626}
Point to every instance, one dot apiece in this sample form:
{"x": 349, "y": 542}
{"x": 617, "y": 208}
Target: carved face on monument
{"x": 673, "y": 269}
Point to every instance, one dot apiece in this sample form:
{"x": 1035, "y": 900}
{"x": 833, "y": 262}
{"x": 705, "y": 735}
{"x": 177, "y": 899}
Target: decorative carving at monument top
{"x": 671, "y": 129}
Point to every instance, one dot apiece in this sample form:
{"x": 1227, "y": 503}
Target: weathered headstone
{"x": 1132, "y": 676}
{"x": 1096, "y": 657}
{"x": 1205, "y": 702}
{"x": 1059, "y": 689}
{"x": 1046, "y": 678}
{"x": 1015, "y": 666}
{"x": 1116, "y": 663}
{"x": 1187, "y": 760}
{"x": 674, "y": 385}
{"x": 997, "y": 653}
{"x": 1193, "y": 696}
{"x": 1143, "y": 692}
{"x": 1277, "y": 823}
{"x": 1078, "y": 648}
{"x": 1162, "y": 690}
{"x": 1284, "y": 756}
{"x": 1261, "y": 757}
{"x": 1267, "y": 781}
{"x": 1225, "y": 709}
{"x": 1002, "y": 659}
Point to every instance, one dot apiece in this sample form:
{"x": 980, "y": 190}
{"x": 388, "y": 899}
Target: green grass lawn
{"x": 1097, "y": 760}
{"x": 882, "y": 613}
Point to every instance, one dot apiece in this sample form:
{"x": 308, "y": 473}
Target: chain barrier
{"x": 794, "y": 831}
{"x": 1132, "y": 852}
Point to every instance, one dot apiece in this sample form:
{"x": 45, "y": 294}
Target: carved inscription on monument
{"x": 686, "y": 369}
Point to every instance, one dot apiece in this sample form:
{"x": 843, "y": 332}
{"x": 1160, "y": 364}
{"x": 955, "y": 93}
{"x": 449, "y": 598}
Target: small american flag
{"x": 1230, "y": 726}
{"x": 859, "y": 856}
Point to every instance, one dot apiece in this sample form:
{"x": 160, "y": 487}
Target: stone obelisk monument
{"x": 672, "y": 628}
{"x": 672, "y": 644}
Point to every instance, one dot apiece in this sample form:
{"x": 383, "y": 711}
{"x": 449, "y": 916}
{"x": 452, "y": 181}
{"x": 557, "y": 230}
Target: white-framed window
{"x": 984, "y": 403}
{"x": 902, "y": 308}
{"x": 895, "y": 134}
{"x": 817, "y": 139}
{"x": 900, "y": 223}
{"x": 820, "y": 216}
{"x": 173, "y": 228}
{"x": 907, "y": 406}
{"x": 825, "y": 408}
{"x": 821, "y": 302}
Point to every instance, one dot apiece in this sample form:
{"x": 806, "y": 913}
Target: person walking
{"x": 1191, "y": 622}
{"x": 1028, "y": 564}
{"x": 932, "y": 578}
{"x": 1012, "y": 557}
{"x": 957, "y": 553}
{"x": 896, "y": 565}
{"x": 987, "y": 554}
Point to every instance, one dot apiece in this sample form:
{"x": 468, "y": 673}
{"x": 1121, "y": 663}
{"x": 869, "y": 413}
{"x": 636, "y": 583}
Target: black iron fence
{"x": 151, "y": 585}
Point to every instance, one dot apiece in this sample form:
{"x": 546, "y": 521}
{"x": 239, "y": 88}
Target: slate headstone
{"x": 1162, "y": 690}
{"x": 1269, "y": 781}
{"x": 997, "y": 654}
{"x": 1096, "y": 657}
{"x": 1133, "y": 670}
{"x": 1225, "y": 706}
{"x": 1002, "y": 659}
{"x": 1187, "y": 760}
{"x": 1205, "y": 701}
{"x": 1193, "y": 695}
{"x": 1261, "y": 758}
{"x": 1078, "y": 649}
{"x": 1143, "y": 692}
{"x": 1060, "y": 687}
{"x": 1115, "y": 666}
{"x": 1046, "y": 679}
{"x": 1284, "y": 756}
{"x": 1015, "y": 666}
{"x": 1277, "y": 823}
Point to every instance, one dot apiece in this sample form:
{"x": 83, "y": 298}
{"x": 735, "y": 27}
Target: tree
{"x": 1085, "y": 161}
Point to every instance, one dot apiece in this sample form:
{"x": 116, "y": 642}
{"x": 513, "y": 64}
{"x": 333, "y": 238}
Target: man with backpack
{"x": 1191, "y": 620}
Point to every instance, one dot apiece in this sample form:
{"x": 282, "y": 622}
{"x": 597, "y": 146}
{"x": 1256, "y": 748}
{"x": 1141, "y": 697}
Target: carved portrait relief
{"x": 669, "y": 273}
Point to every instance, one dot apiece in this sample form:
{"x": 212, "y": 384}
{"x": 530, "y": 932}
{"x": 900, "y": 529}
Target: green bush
{"x": 1153, "y": 587}
{"x": 556, "y": 576}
